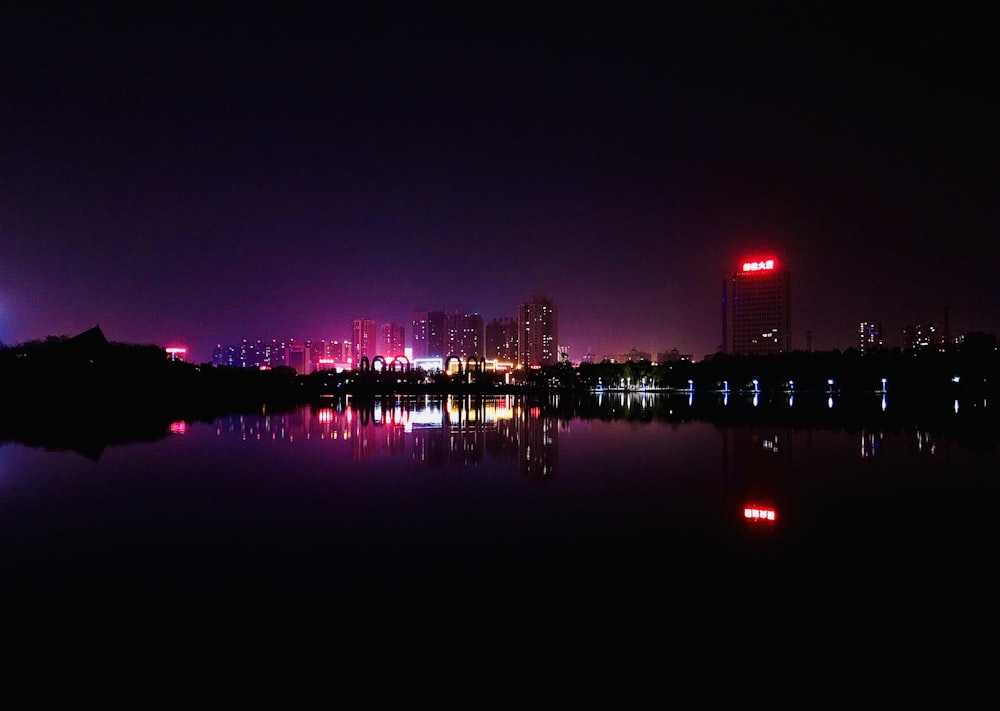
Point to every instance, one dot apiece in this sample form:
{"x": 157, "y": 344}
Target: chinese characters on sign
{"x": 758, "y": 266}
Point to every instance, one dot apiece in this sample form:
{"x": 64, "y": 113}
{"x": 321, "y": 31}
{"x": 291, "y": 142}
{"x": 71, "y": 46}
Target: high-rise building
{"x": 250, "y": 354}
{"x": 392, "y": 340}
{"x": 919, "y": 334}
{"x": 299, "y": 357}
{"x": 363, "y": 339}
{"x": 332, "y": 355}
{"x": 501, "y": 339}
{"x": 428, "y": 334}
{"x": 869, "y": 336}
{"x": 757, "y": 309}
{"x": 418, "y": 333}
{"x": 537, "y": 332}
{"x": 464, "y": 334}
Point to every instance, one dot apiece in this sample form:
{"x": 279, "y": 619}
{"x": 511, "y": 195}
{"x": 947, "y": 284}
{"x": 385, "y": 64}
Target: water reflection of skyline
{"x": 464, "y": 430}
{"x": 430, "y": 431}
{"x": 444, "y": 510}
{"x": 759, "y": 471}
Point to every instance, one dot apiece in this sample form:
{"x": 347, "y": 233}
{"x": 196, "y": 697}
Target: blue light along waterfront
{"x": 384, "y": 525}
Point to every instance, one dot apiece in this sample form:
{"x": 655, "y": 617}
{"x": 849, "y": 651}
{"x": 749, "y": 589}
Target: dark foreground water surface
{"x": 629, "y": 522}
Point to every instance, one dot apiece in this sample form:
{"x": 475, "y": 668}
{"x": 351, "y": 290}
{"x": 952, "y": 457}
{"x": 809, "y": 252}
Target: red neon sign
{"x": 759, "y": 266}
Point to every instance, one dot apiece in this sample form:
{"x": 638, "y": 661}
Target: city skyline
{"x": 193, "y": 177}
{"x": 437, "y": 335}
{"x": 765, "y": 303}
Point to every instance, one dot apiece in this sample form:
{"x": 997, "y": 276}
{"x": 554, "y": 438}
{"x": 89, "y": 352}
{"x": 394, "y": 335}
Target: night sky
{"x": 190, "y": 176}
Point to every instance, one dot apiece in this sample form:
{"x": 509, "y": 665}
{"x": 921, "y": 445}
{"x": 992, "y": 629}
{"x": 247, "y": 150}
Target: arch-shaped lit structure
{"x": 473, "y": 364}
{"x": 381, "y": 364}
{"x": 449, "y": 359}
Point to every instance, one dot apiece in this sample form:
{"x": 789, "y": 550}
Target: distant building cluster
{"x": 673, "y": 356}
{"x": 919, "y": 334}
{"x": 756, "y": 320}
{"x": 305, "y": 356}
{"x": 527, "y": 340}
{"x": 757, "y": 316}
{"x": 632, "y": 356}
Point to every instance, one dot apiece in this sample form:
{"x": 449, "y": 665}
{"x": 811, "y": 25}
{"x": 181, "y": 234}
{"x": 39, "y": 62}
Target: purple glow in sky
{"x": 194, "y": 174}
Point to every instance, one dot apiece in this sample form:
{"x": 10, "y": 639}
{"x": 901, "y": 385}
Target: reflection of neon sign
{"x": 755, "y": 513}
{"x": 762, "y": 265}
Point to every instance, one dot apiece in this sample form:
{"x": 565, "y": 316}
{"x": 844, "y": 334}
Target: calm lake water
{"x": 489, "y": 523}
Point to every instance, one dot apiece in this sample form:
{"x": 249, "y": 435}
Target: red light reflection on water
{"x": 755, "y": 514}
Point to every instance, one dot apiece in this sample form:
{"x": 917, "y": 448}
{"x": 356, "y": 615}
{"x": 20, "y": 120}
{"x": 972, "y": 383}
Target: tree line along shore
{"x": 84, "y": 393}
{"x": 88, "y": 368}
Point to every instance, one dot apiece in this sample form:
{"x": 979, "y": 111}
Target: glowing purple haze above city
{"x": 188, "y": 175}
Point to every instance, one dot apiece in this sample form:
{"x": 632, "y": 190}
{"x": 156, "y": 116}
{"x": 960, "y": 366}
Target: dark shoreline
{"x": 85, "y": 393}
